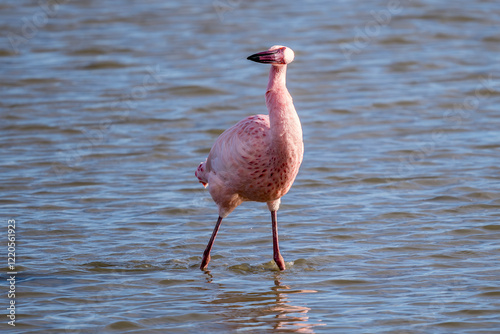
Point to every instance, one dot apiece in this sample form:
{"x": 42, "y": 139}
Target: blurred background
{"x": 392, "y": 225}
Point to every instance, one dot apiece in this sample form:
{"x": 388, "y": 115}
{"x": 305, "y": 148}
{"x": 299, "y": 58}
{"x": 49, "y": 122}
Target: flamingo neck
{"x": 279, "y": 101}
{"x": 286, "y": 130}
{"x": 277, "y": 77}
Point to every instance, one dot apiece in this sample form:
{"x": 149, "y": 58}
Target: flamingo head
{"x": 276, "y": 55}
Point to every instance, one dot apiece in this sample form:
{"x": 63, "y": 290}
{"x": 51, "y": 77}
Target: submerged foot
{"x": 204, "y": 262}
{"x": 280, "y": 262}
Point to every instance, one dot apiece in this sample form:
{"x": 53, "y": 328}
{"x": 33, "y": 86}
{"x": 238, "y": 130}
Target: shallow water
{"x": 392, "y": 225}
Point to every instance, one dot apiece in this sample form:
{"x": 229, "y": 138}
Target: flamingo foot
{"x": 205, "y": 261}
{"x": 206, "y": 254}
{"x": 280, "y": 262}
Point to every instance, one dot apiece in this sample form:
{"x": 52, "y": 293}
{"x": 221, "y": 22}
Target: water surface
{"x": 392, "y": 225}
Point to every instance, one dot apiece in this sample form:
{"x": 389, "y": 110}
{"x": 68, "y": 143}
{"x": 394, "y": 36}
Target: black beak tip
{"x": 253, "y": 58}
{"x": 265, "y": 57}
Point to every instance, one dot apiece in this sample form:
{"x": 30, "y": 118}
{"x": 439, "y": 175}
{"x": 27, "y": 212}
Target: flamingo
{"x": 258, "y": 158}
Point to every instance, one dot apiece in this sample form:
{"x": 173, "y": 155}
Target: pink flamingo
{"x": 258, "y": 158}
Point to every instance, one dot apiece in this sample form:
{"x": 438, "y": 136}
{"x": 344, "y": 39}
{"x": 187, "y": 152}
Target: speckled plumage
{"x": 258, "y": 158}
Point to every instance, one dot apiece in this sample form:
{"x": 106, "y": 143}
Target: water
{"x": 392, "y": 225}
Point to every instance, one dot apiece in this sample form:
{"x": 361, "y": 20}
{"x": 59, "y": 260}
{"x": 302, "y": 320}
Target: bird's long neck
{"x": 286, "y": 130}
{"x": 277, "y": 78}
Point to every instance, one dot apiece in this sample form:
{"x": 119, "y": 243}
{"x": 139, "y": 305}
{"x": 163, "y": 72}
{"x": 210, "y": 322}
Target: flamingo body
{"x": 258, "y": 158}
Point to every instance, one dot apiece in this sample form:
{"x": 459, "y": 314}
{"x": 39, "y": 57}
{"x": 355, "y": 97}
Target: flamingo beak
{"x": 268, "y": 57}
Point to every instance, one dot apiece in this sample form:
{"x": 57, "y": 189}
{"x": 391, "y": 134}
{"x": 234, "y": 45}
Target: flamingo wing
{"x": 239, "y": 150}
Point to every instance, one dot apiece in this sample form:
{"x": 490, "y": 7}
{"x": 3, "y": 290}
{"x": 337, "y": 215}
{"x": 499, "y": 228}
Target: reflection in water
{"x": 209, "y": 277}
{"x": 292, "y": 317}
{"x": 270, "y": 309}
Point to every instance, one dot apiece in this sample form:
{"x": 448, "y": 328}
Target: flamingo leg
{"x": 206, "y": 253}
{"x": 276, "y": 248}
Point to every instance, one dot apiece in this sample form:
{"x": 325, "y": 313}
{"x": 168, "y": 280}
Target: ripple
{"x": 100, "y": 65}
{"x": 391, "y": 225}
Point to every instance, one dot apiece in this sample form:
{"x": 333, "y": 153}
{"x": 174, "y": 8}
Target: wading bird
{"x": 258, "y": 158}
